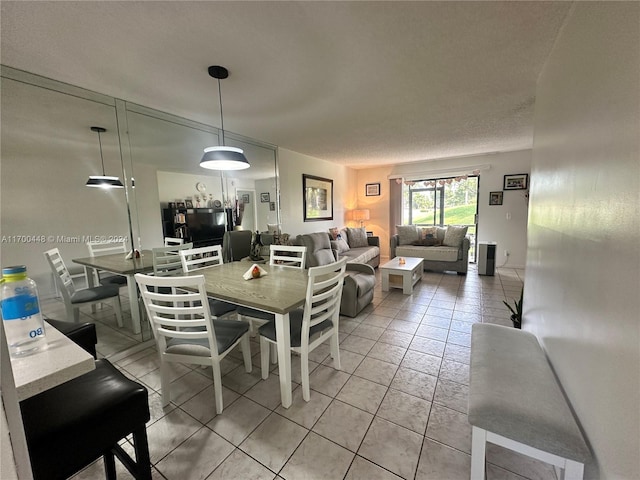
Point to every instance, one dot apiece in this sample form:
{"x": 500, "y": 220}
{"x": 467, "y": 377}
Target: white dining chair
{"x": 73, "y": 298}
{"x": 194, "y": 259}
{"x": 166, "y": 260}
{"x": 313, "y": 324}
{"x": 185, "y": 331}
{"x": 170, "y": 241}
{"x": 295, "y": 259}
{"x": 98, "y": 248}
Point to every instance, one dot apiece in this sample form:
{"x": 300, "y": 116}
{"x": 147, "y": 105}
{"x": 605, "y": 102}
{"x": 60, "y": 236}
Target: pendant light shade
{"x": 103, "y": 181}
{"x": 222, "y": 157}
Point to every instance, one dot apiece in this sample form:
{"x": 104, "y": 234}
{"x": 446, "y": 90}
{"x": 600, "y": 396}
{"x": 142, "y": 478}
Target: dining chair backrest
{"x": 182, "y": 314}
{"x": 105, "y": 248}
{"x": 324, "y": 293}
{"x": 292, "y": 256}
{"x": 60, "y": 274}
{"x": 166, "y": 260}
{"x": 169, "y": 241}
{"x": 198, "y": 258}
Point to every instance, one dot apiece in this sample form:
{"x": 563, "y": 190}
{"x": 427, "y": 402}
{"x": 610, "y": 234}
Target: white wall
{"x": 291, "y": 167}
{"x": 493, "y": 224}
{"x": 582, "y": 276}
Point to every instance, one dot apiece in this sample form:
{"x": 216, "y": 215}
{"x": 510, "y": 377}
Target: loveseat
{"x": 360, "y": 277}
{"x": 442, "y": 248}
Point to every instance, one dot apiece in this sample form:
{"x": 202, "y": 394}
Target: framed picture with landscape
{"x": 518, "y": 181}
{"x": 317, "y": 197}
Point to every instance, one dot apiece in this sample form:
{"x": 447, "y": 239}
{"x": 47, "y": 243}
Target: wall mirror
{"x": 48, "y": 152}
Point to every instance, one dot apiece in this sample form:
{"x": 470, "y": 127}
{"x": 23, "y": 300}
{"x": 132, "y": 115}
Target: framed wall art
{"x": 495, "y": 198}
{"x": 372, "y": 189}
{"x": 265, "y": 197}
{"x": 317, "y": 197}
{"x": 519, "y": 181}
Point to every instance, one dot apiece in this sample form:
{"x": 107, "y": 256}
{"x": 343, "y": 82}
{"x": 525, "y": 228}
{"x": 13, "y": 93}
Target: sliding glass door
{"x": 443, "y": 201}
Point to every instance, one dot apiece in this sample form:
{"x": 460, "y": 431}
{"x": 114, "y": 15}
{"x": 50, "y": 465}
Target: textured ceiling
{"x": 357, "y": 83}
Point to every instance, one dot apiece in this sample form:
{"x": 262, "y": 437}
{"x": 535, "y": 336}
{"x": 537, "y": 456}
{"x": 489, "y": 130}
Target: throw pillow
{"x": 340, "y": 245}
{"x": 357, "y": 237}
{"x": 429, "y": 232}
{"x": 407, "y": 234}
{"x": 334, "y": 232}
{"x": 428, "y": 242}
{"x": 454, "y": 235}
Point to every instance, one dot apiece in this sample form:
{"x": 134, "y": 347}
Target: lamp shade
{"x": 104, "y": 181}
{"x": 224, "y": 158}
{"x": 361, "y": 214}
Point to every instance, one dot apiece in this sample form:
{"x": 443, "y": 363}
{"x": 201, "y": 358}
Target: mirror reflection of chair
{"x": 185, "y": 332}
{"x": 166, "y": 260}
{"x": 107, "y": 248}
{"x": 169, "y": 241}
{"x": 198, "y": 258}
{"x": 74, "y": 299}
{"x": 236, "y": 245}
{"x": 313, "y": 324}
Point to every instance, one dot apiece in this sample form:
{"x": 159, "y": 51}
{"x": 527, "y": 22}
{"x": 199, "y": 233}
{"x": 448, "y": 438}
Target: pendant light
{"x": 103, "y": 181}
{"x": 222, "y": 157}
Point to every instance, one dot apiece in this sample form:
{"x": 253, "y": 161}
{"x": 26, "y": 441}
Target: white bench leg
{"x": 478, "y": 445}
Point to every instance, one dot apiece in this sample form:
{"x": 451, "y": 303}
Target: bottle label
{"x": 19, "y": 307}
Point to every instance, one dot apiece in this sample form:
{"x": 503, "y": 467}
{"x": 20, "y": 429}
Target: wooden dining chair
{"x": 73, "y": 298}
{"x": 312, "y": 325}
{"x": 194, "y": 259}
{"x": 185, "y": 331}
{"x": 277, "y": 257}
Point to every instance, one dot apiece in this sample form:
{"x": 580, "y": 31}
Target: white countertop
{"x": 61, "y": 361}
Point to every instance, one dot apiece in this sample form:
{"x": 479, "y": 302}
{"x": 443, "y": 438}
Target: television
{"x": 205, "y": 226}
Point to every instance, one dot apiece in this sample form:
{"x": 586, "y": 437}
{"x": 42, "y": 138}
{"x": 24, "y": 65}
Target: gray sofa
{"x": 360, "y": 279}
{"x": 439, "y": 258}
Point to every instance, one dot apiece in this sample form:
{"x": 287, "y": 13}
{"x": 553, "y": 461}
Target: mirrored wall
{"x": 48, "y": 153}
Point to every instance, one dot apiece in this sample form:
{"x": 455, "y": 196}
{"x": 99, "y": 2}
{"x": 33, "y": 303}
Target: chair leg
{"x": 165, "y": 383}
{"x": 217, "y": 387}
{"x": 117, "y": 306}
{"x": 304, "y": 370}
{"x": 109, "y": 465}
{"x": 335, "y": 350}
{"x": 274, "y": 353}
{"x": 246, "y": 352}
{"x": 141, "y": 446}
{"x": 265, "y": 346}
{"x": 478, "y": 445}
{"x": 76, "y": 314}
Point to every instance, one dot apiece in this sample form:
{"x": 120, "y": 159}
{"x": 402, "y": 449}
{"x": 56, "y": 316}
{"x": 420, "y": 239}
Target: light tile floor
{"x": 396, "y": 410}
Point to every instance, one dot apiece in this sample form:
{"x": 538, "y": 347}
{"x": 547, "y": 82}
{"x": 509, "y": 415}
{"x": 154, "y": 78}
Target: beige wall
{"x": 510, "y": 234}
{"x": 582, "y": 278}
{"x": 291, "y": 167}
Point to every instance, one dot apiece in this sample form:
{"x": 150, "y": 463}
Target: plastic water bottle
{"x": 22, "y": 320}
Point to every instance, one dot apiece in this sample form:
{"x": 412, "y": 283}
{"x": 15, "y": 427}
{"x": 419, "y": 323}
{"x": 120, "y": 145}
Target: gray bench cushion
{"x": 514, "y": 393}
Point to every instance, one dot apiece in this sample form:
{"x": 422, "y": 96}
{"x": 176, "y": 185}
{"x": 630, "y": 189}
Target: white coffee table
{"x": 404, "y": 276}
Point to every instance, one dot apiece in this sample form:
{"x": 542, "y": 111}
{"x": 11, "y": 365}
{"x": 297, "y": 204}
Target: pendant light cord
{"x": 101, "y": 157}
{"x": 221, "y": 116}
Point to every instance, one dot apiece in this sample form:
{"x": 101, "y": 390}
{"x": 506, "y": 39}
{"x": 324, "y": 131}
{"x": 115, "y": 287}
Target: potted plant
{"x": 516, "y": 311}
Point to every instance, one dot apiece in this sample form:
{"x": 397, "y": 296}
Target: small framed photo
{"x": 172, "y": 204}
{"x": 180, "y": 205}
{"x": 495, "y": 198}
{"x": 265, "y": 198}
{"x": 372, "y": 189}
{"x": 519, "y": 181}
{"x": 188, "y": 203}
{"x": 245, "y": 198}
{"x": 272, "y": 206}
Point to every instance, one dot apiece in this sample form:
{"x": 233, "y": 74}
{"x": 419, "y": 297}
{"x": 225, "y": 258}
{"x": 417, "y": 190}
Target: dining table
{"x": 118, "y": 264}
{"x": 279, "y": 291}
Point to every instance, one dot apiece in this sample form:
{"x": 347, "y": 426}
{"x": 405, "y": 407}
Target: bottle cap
{"x": 16, "y": 269}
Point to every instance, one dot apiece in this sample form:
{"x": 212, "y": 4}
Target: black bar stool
{"x": 70, "y": 426}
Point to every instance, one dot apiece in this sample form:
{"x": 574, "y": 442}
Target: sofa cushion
{"x": 319, "y": 250}
{"x": 429, "y": 232}
{"x": 361, "y": 255}
{"x": 430, "y": 241}
{"x": 407, "y": 234}
{"x": 454, "y": 236}
{"x": 437, "y": 254}
{"x": 357, "y": 237}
